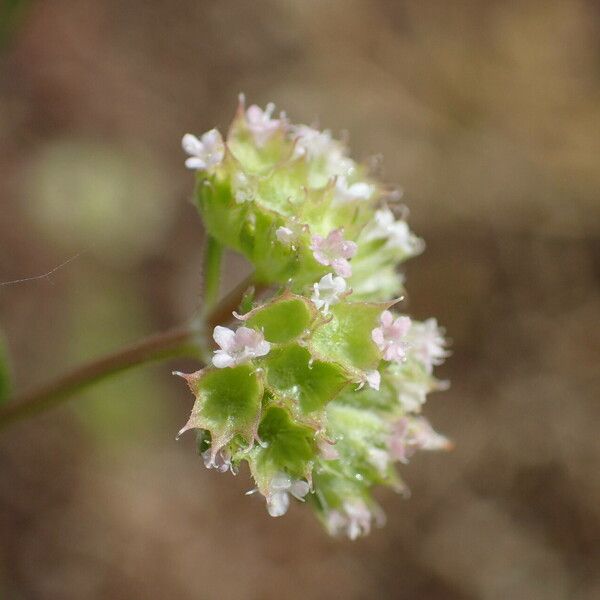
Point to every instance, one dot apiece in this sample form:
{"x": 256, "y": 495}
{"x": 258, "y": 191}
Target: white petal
{"x": 339, "y": 285}
{"x": 222, "y": 360}
{"x": 299, "y": 489}
{"x": 212, "y": 138}
{"x": 195, "y": 163}
{"x": 224, "y": 337}
{"x": 278, "y": 504}
{"x": 262, "y": 349}
{"x": 191, "y": 144}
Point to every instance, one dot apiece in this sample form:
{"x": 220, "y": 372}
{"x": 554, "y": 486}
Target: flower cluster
{"x": 319, "y": 389}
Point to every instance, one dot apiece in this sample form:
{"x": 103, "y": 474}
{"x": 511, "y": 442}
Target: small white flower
{"x": 389, "y": 336}
{"x": 206, "y": 152}
{"x": 237, "y": 347}
{"x": 334, "y": 251}
{"x": 312, "y": 142}
{"x": 350, "y": 193}
{"x": 410, "y": 434}
{"x": 427, "y": 344}
{"x": 261, "y": 124}
{"x": 328, "y": 291}
{"x": 372, "y": 378}
{"x": 396, "y": 232}
{"x": 320, "y": 146}
{"x": 354, "y": 519}
{"x": 280, "y": 487}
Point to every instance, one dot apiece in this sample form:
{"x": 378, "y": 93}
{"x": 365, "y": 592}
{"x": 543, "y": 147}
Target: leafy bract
{"x": 283, "y": 320}
{"x": 346, "y": 337}
{"x": 310, "y": 384}
{"x": 228, "y": 403}
{"x": 285, "y": 446}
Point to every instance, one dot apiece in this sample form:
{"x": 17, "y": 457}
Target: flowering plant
{"x": 320, "y": 387}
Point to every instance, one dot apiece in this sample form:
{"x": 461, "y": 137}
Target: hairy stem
{"x": 177, "y": 342}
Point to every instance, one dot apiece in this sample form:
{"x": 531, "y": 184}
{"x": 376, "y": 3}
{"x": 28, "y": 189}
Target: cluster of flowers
{"x": 320, "y": 389}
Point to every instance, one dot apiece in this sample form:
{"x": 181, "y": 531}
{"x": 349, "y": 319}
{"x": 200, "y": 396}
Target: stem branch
{"x": 177, "y": 342}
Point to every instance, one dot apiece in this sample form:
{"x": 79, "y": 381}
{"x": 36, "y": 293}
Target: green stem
{"x": 179, "y": 342}
{"x": 213, "y": 255}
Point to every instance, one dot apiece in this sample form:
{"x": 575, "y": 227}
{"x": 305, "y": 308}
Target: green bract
{"x": 319, "y": 389}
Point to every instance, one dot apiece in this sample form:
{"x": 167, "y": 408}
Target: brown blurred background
{"x": 487, "y": 114}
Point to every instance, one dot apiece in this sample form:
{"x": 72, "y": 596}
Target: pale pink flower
{"x": 260, "y": 123}
{"x": 328, "y": 291}
{"x": 389, "y": 336}
{"x": 334, "y": 251}
{"x": 280, "y": 488}
{"x": 237, "y": 347}
{"x": 410, "y": 434}
{"x": 206, "y": 152}
{"x": 427, "y": 343}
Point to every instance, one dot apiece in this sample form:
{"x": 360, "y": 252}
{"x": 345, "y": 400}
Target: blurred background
{"x": 486, "y": 113}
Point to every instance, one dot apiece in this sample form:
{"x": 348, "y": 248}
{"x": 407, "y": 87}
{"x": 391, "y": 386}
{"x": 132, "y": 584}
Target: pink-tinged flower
{"x": 206, "y": 152}
{"x": 427, "y": 344}
{"x": 345, "y": 192}
{"x": 354, "y": 519}
{"x": 237, "y": 347}
{"x": 261, "y": 125}
{"x": 410, "y": 434}
{"x": 328, "y": 291}
{"x": 389, "y": 336}
{"x": 334, "y": 251}
{"x": 280, "y": 488}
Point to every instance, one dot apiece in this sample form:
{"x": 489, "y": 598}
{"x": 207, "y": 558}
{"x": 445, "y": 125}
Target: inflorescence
{"x": 320, "y": 388}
